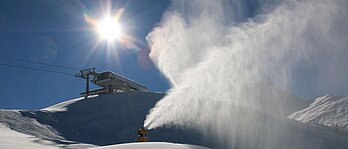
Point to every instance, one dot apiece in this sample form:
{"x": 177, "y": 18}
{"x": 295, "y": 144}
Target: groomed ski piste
{"x": 111, "y": 121}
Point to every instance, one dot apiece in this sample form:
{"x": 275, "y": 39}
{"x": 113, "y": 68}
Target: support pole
{"x": 110, "y": 89}
{"x": 87, "y": 86}
{"x": 85, "y": 75}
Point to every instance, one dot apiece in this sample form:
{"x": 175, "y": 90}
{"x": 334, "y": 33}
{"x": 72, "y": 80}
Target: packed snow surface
{"x": 152, "y": 145}
{"x": 10, "y": 139}
{"x": 329, "y": 111}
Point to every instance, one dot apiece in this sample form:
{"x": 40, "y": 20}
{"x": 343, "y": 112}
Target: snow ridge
{"x": 326, "y": 111}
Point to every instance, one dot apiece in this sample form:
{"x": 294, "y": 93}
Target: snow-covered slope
{"x": 63, "y": 106}
{"x": 99, "y": 120}
{"x": 16, "y": 121}
{"x": 114, "y": 119}
{"x": 152, "y": 145}
{"x": 326, "y": 111}
{"x": 11, "y": 139}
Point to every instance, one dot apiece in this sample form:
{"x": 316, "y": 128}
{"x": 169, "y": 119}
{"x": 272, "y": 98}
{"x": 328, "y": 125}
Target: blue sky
{"x": 55, "y": 32}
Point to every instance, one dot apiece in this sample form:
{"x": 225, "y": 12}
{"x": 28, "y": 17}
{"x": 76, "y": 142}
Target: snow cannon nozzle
{"x": 142, "y": 135}
{"x": 145, "y": 127}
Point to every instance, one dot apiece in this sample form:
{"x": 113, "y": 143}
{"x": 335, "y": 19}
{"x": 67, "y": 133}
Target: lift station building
{"x": 109, "y": 82}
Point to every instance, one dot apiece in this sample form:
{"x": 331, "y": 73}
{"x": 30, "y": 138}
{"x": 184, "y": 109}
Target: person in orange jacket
{"x": 142, "y": 132}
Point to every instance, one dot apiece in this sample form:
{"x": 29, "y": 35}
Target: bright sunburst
{"x": 109, "y": 29}
{"x": 110, "y": 32}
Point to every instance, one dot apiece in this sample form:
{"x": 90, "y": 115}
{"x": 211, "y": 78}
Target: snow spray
{"x": 224, "y": 56}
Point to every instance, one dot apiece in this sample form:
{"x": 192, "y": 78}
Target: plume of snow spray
{"x": 219, "y": 57}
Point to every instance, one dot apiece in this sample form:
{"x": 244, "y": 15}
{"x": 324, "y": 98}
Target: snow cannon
{"x": 142, "y": 135}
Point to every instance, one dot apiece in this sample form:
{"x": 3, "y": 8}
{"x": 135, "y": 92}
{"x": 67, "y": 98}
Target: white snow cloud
{"x": 212, "y": 56}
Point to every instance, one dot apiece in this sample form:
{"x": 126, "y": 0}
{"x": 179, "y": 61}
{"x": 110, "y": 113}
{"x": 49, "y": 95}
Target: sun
{"x": 109, "y": 28}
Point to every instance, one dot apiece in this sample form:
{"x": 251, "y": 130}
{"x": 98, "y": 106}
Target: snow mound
{"x": 152, "y": 145}
{"x": 327, "y": 111}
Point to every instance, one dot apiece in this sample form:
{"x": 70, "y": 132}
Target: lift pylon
{"x": 85, "y": 74}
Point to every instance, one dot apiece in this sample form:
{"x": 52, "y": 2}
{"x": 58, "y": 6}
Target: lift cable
{"x": 53, "y": 65}
{"x": 35, "y": 69}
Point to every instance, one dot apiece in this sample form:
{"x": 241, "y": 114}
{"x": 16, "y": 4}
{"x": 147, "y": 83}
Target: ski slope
{"x": 98, "y": 120}
{"x": 95, "y": 121}
{"x": 10, "y": 139}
